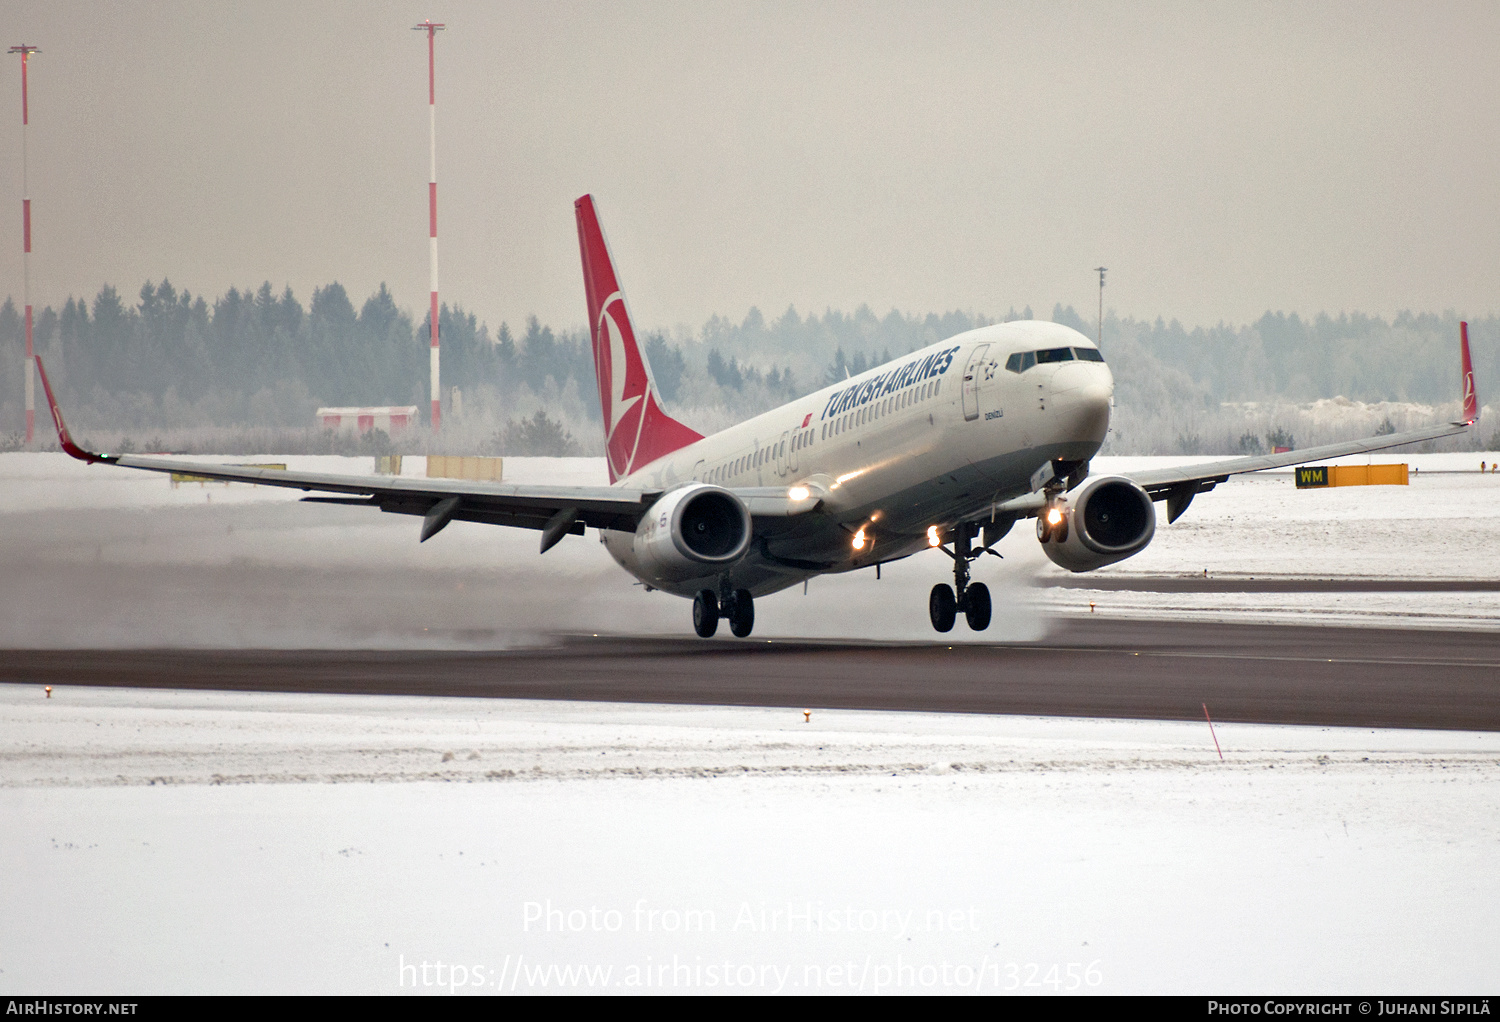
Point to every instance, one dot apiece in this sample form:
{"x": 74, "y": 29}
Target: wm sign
{"x": 1312, "y": 475}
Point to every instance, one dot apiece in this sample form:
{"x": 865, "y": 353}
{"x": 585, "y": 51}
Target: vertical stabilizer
{"x": 636, "y": 430}
{"x": 1471, "y": 399}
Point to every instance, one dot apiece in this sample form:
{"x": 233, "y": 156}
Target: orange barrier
{"x": 1317, "y": 476}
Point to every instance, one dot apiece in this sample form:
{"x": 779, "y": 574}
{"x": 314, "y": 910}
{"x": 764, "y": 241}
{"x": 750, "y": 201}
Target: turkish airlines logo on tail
{"x": 623, "y": 384}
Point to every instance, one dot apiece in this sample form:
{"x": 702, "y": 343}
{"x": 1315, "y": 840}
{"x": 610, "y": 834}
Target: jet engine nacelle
{"x": 1107, "y": 519}
{"x": 691, "y": 531}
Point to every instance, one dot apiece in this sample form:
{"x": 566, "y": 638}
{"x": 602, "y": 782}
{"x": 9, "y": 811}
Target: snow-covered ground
{"x": 159, "y": 841}
{"x": 100, "y": 556}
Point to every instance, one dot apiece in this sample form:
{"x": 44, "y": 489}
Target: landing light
{"x": 1055, "y": 516}
{"x": 859, "y": 538}
{"x": 798, "y": 493}
{"x": 932, "y": 536}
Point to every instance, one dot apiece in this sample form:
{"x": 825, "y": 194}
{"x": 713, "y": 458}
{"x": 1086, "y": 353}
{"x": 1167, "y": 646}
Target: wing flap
{"x": 400, "y": 491}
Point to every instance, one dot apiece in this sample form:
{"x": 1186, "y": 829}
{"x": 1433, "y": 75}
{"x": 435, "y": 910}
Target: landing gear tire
{"x": 977, "y": 609}
{"x": 706, "y": 614}
{"x": 742, "y": 614}
{"x": 942, "y": 607}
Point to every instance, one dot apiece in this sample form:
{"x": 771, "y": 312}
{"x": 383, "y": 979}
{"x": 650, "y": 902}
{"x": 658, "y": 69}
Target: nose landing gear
{"x": 973, "y": 598}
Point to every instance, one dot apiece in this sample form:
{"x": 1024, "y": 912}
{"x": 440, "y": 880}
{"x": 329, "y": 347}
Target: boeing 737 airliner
{"x": 946, "y": 447}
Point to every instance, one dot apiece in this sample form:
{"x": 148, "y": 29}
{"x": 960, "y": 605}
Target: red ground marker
{"x": 1211, "y": 731}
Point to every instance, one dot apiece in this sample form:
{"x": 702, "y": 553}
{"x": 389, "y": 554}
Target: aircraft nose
{"x": 1086, "y": 405}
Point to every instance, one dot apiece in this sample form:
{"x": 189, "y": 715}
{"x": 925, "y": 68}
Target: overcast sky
{"x": 1221, "y": 159}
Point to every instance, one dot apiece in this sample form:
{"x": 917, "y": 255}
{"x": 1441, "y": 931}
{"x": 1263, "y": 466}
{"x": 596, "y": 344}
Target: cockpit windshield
{"x": 1024, "y": 360}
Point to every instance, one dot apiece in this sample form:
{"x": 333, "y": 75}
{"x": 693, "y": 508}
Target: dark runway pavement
{"x": 1272, "y": 584}
{"x": 1096, "y": 668}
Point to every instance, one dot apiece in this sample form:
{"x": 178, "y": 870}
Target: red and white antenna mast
{"x": 26, "y": 52}
{"x": 432, "y": 30}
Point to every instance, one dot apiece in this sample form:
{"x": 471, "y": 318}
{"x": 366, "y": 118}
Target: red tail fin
{"x": 1471, "y": 399}
{"x": 636, "y": 430}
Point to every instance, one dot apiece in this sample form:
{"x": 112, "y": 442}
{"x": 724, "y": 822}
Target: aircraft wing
{"x": 1177, "y": 486}
{"x": 556, "y": 511}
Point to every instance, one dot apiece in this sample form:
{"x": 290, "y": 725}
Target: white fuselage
{"x": 928, "y": 439}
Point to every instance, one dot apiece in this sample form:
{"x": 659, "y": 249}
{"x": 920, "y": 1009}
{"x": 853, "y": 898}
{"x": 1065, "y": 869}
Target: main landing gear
{"x": 973, "y": 598}
{"x": 735, "y": 604}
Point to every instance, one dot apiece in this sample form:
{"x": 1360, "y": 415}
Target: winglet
{"x": 1471, "y": 399}
{"x": 62, "y": 431}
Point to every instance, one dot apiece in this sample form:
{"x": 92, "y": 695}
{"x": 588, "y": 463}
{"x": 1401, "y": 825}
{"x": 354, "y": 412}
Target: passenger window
{"x": 1088, "y": 354}
{"x": 937, "y": 387}
{"x": 1055, "y": 355}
